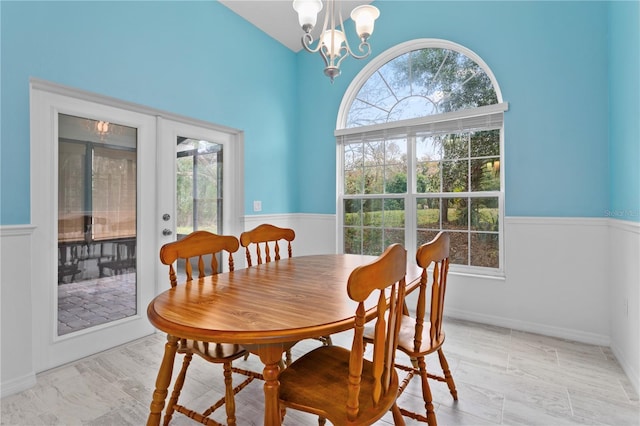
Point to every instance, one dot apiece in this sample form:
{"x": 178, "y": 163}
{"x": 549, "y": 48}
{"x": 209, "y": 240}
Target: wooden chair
{"x": 419, "y": 338}
{"x": 199, "y": 245}
{"x": 340, "y": 384}
{"x": 266, "y": 239}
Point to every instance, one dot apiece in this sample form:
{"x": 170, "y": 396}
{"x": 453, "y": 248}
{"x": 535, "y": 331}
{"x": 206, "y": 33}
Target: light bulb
{"x": 332, "y": 40}
{"x": 307, "y": 13}
{"x": 364, "y": 16}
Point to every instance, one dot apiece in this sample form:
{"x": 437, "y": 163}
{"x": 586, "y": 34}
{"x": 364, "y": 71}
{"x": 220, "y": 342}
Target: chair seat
{"x": 319, "y": 379}
{"x": 216, "y": 353}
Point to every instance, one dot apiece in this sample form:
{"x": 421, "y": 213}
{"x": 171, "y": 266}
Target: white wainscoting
{"x": 16, "y": 367}
{"x": 315, "y": 233}
{"x": 623, "y": 284}
{"x": 555, "y": 270}
{"x": 574, "y": 278}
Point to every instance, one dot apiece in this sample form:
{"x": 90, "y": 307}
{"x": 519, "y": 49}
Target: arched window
{"x": 420, "y": 132}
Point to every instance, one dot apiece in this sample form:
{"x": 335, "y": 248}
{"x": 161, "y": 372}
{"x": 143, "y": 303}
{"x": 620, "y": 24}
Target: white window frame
{"x": 446, "y": 122}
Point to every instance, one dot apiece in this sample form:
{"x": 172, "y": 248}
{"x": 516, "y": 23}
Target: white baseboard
{"x": 530, "y": 327}
{"x": 627, "y": 367}
{"x": 17, "y": 384}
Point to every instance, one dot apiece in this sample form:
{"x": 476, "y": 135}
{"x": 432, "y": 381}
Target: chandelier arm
{"x": 327, "y": 61}
{"x": 363, "y": 47}
{"x": 307, "y": 41}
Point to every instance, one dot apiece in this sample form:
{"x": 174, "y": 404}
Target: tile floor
{"x": 503, "y": 377}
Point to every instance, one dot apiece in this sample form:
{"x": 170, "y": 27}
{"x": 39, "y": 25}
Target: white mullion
{"x": 469, "y": 198}
{"x": 410, "y": 204}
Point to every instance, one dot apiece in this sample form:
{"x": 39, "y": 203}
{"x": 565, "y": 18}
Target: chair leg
{"x": 398, "y": 420}
{"x": 177, "y": 388}
{"x": 230, "y": 403}
{"x": 447, "y": 375}
{"x": 426, "y": 393}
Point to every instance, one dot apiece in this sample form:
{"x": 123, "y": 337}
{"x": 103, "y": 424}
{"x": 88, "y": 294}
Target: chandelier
{"x": 332, "y": 42}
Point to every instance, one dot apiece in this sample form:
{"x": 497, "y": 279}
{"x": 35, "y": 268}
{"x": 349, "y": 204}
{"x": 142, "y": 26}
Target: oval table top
{"x": 281, "y": 301}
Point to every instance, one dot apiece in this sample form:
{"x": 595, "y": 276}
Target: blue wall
{"x": 624, "y": 115}
{"x": 550, "y": 59}
{"x": 197, "y": 59}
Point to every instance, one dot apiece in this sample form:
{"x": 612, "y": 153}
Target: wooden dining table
{"x": 266, "y": 308}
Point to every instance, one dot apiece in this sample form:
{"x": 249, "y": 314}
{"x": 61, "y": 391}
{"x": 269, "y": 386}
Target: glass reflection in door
{"x": 97, "y": 193}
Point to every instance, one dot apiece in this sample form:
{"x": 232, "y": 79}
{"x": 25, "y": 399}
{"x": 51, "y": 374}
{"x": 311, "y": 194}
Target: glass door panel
{"x": 97, "y": 225}
{"x": 199, "y": 185}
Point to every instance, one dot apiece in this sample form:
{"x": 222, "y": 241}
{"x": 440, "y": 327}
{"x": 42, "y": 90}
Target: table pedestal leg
{"x": 271, "y": 357}
{"x": 163, "y": 381}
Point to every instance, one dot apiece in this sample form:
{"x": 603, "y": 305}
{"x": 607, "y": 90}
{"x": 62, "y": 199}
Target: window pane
{"x": 420, "y": 83}
{"x": 353, "y": 156}
{"x": 374, "y": 180}
{"x": 428, "y": 177}
{"x": 429, "y": 148}
{"x": 459, "y": 248}
{"x": 354, "y": 181}
{"x": 396, "y": 166}
{"x": 485, "y": 174}
{"x": 455, "y": 145}
{"x": 209, "y": 194}
{"x": 372, "y": 210}
{"x": 484, "y": 250}
{"x": 428, "y": 213}
{"x": 372, "y": 241}
{"x": 425, "y": 236}
{"x": 353, "y": 212}
{"x": 484, "y": 214}
{"x": 394, "y": 213}
{"x": 352, "y": 240}
{"x": 455, "y": 175}
{"x": 198, "y": 185}
{"x": 485, "y": 143}
{"x": 392, "y": 236}
{"x": 455, "y": 213}
{"x": 353, "y": 163}
{"x": 184, "y": 194}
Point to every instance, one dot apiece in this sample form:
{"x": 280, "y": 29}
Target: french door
{"x": 200, "y": 181}
{"x": 111, "y": 182}
{"x": 93, "y": 188}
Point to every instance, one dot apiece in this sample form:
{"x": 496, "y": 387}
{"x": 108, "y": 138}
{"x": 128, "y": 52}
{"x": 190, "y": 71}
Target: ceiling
{"x": 278, "y": 19}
